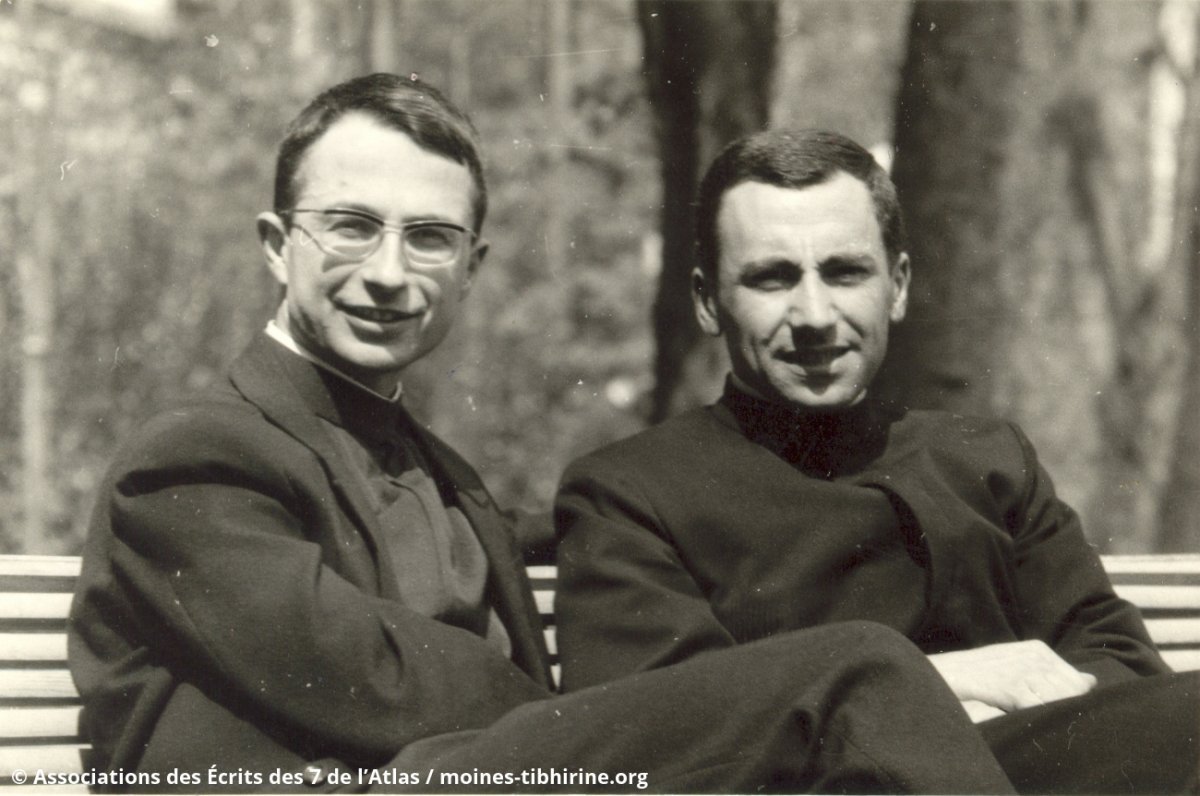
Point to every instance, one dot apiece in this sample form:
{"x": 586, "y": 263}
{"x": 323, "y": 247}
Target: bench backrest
{"x": 39, "y": 707}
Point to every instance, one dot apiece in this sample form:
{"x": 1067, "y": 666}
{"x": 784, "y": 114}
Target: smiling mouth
{"x": 378, "y": 314}
{"x": 813, "y": 357}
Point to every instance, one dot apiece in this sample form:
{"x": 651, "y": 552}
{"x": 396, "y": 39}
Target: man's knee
{"x": 862, "y": 650}
{"x": 869, "y": 652}
{"x": 867, "y": 641}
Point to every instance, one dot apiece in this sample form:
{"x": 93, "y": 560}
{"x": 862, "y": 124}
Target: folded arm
{"x": 1066, "y": 598}
{"x": 625, "y": 601}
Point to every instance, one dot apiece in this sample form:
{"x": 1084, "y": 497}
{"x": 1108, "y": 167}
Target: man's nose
{"x": 387, "y": 268}
{"x": 812, "y": 305}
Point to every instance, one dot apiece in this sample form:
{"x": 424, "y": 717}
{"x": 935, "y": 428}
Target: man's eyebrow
{"x": 369, "y": 210}
{"x": 356, "y": 208}
{"x": 769, "y": 264}
{"x": 861, "y": 259}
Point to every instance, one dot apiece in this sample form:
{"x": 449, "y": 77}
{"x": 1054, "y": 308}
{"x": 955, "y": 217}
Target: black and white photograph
{"x": 600, "y": 396}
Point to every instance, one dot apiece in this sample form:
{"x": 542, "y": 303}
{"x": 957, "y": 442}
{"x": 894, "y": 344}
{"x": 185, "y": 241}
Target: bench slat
{"x": 60, "y": 759}
{"x": 48, "y": 566}
{"x": 1160, "y": 597}
{"x": 37, "y": 683}
{"x": 39, "y": 722}
{"x": 34, "y": 605}
{"x": 33, "y": 647}
{"x": 1182, "y": 660}
{"x": 1161, "y": 564}
{"x": 1174, "y": 631}
{"x": 543, "y": 572}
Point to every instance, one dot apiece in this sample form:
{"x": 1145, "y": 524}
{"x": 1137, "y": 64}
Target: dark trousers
{"x": 1141, "y": 736}
{"x": 843, "y": 708}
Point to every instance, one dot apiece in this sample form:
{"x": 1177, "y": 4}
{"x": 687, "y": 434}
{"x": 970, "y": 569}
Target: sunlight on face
{"x": 804, "y": 293}
{"x": 373, "y": 318}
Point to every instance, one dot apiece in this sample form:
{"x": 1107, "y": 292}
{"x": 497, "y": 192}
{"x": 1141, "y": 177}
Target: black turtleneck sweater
{"x": 747, "y": 519}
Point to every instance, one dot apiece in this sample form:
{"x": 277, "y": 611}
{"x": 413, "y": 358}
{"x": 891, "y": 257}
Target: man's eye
{"x": 432, "y": 238}
{"x": 769, "y": 283}
{"x": 846, "y": 275}
{"x": 770, "y": 279}
{"x": 353, "y": 227}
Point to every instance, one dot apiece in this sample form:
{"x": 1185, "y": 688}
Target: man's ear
{"x": 704, "y": 301}
{"x": 901, "y": 276}
{"x": 272, "y": 236}
{"x": 478, "y": 252}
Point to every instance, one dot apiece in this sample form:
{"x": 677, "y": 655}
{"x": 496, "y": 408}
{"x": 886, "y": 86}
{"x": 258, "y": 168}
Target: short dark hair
{"x": 406, "y": 104}
{"x": 793, "y": 159}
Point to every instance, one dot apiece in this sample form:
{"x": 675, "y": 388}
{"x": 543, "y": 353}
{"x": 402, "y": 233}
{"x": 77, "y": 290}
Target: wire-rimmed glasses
{"x": 353, "y": 235}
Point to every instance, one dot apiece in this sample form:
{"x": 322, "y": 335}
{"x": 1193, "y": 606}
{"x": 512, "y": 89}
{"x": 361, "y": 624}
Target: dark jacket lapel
{"x": 511, "y": 593}
{"x": 261, "y": 378}
{"x": 258, "y": 375}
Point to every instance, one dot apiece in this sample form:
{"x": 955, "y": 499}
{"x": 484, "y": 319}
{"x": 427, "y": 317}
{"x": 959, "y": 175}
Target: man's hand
{"x": 978, "y": 711}
{"x": 1001, "y": 678}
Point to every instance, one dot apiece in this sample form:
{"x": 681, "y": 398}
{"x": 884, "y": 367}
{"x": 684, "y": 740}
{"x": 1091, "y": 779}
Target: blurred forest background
{"x": 1046, "y": 153}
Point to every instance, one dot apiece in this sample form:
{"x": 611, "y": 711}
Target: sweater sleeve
{"x": 1065, "y": 597}
{"x": 626, "y": 602}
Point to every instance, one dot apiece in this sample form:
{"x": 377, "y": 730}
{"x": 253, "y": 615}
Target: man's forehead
{"x": 360, "y": 154}
{"x": 838, "y": 192}
{"x": 839, "y": 207}
{"x": 359, "y": 140}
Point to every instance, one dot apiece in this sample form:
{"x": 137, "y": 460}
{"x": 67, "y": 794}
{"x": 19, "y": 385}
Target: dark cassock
{"x": 749, "y": 520}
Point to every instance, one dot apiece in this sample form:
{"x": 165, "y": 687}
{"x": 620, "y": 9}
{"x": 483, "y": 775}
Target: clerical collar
{"x": 334, "y": 396}
{"x": 284, "y": 337}
{"x": 822, "y": 444}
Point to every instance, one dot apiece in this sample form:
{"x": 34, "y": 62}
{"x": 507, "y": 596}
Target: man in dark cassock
{"x": 799, "y": 500}
{"x": 287, "y": 575}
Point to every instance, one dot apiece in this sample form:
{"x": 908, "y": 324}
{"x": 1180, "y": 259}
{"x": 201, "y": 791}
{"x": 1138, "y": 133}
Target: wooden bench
{"x": 39, "y": 707}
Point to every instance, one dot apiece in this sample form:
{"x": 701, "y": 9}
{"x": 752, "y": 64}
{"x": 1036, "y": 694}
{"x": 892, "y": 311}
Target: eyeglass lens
{"x": 358, "y": 236}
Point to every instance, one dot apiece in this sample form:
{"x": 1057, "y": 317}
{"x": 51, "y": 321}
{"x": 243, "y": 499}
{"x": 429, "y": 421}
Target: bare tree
{"x": 1181, "y": 500}
{"x": 35, "y": 262}
{"x": 709, "y": 68}
{"x": 1038, "y": 171}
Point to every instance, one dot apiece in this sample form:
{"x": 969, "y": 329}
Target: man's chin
{"x": 376, "y": 364}
{"x": 819, "y": 397}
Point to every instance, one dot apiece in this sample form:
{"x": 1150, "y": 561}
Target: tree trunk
{"x": 310, "y": 63}
{"x": 1180, "y": 510}
{"x": 384, "y": 40}
{"x": 708, "y": 69}
{"x": 1030, "y": 166}
{"x": 36, "y": 182}
{"x": 558, "y": 138}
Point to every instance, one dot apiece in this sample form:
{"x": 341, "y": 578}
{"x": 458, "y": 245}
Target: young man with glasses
{"x": 288, "y": 576}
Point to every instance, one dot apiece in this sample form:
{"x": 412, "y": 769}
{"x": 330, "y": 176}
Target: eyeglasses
{"x": 352, "y": 236}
